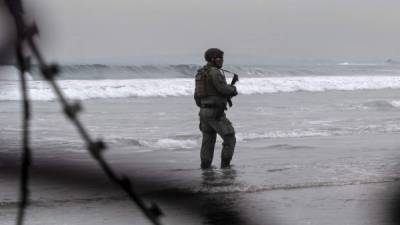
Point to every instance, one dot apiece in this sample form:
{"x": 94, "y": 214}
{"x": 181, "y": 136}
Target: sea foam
{"x": 91, "y": 89}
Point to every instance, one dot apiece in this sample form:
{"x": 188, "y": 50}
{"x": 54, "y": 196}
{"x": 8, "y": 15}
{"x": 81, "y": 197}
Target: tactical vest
{"x": 201, "y": 82}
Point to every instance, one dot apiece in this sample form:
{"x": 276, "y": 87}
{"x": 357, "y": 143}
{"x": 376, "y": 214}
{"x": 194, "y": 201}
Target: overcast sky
{"x": 121, "y": 30}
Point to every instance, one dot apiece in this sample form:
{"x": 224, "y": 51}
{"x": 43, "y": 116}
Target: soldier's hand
{"x": 235, "y": 91}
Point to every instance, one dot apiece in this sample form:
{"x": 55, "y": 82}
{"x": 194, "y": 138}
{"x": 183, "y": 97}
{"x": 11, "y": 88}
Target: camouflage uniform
{"x": 213, "y": 120}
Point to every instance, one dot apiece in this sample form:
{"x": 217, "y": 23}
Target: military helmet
{"x": 213, "y": 53}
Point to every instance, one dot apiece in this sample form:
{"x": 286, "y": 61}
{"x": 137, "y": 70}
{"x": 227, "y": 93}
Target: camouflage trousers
{"x": 212, "y": 124}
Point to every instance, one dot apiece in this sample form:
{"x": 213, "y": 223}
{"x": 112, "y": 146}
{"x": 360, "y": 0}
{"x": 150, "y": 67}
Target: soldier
{"x": 211, "y": 95}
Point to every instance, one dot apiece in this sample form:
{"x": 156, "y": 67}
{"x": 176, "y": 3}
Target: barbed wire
{"x": 25, "y": 35}
{"x": 26, "y": 153}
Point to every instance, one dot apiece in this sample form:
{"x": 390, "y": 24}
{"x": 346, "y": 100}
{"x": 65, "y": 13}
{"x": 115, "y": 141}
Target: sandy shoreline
{"x": 68, "y": 188}
{"x": 350, "y": 204}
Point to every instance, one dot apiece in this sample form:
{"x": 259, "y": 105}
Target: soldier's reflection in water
{"x": 215, "y": 178}
{"x": 220, "y": 209}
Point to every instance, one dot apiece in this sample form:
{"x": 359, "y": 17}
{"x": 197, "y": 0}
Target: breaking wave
{"x": 162, "y": 143}
{"x": 100, "y": 89}
{"x": 376, "y": 105}
{"x": 153, "y": 71}
{"x": 194, "y": 141}
{"x": 169, "y": 143}
{"x": 359, "y": 64}
{"x": 282, "y": 134}
{"x": 395, "y": 103}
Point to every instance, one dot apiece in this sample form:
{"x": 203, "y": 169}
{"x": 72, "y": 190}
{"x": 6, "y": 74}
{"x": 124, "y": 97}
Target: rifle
{"x": 233, "y": 82}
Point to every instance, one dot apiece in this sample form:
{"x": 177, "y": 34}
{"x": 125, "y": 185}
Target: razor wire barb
{"x": 25, "y": 35}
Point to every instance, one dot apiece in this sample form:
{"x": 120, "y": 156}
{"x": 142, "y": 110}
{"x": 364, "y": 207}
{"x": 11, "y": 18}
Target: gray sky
{"x": 122, "y": 30}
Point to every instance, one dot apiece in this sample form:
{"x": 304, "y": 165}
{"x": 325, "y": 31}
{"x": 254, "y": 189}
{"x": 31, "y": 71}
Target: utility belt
{"x": 212, "y": 106}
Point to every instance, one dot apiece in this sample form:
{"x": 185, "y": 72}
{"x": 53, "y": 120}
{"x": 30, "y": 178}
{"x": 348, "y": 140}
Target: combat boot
{"x": 205, "y": 165}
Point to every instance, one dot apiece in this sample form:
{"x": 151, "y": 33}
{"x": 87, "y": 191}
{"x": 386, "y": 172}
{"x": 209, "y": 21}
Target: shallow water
{"x": 301, "y": 158}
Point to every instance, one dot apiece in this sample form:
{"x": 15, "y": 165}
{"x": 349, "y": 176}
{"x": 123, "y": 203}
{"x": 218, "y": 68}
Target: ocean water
{"x": 316, "y": 144}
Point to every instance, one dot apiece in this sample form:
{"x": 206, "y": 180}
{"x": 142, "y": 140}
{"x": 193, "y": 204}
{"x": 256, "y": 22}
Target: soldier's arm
{"x": 220, "y": 84}
{"x": 197, "y": 99}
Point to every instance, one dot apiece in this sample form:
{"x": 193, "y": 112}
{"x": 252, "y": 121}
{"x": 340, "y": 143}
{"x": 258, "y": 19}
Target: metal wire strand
{"x": 96, "y": 148}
